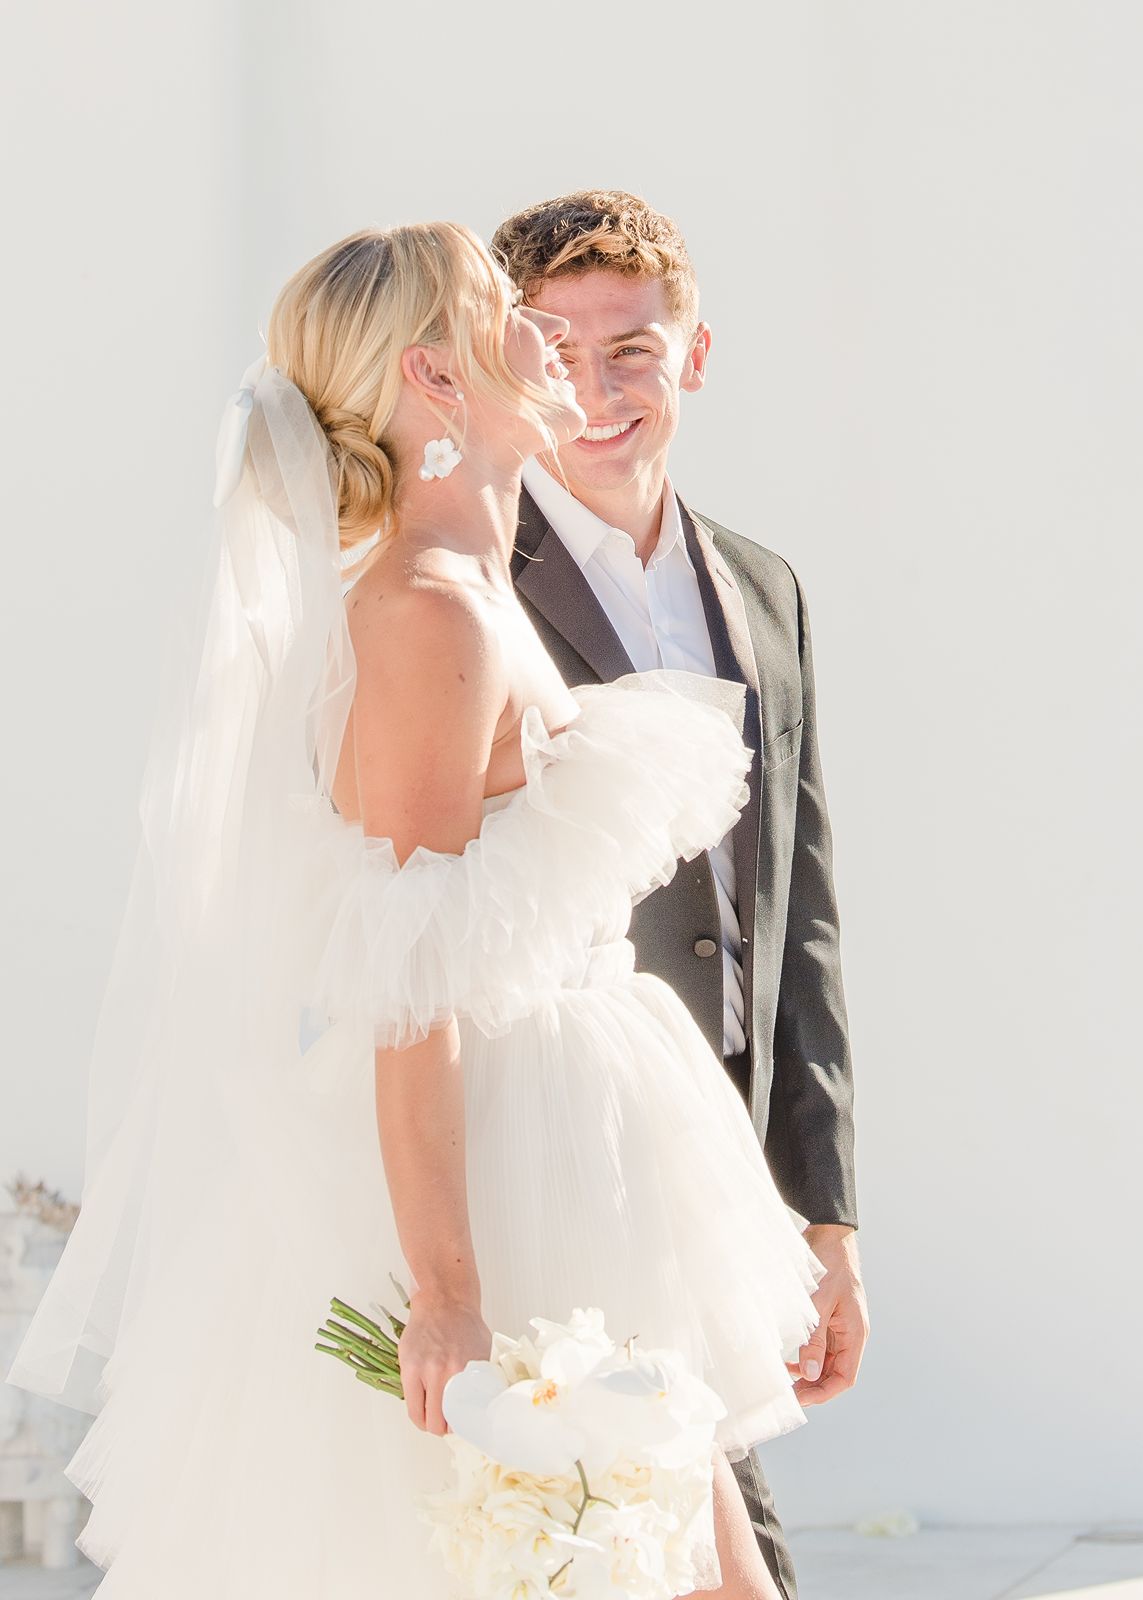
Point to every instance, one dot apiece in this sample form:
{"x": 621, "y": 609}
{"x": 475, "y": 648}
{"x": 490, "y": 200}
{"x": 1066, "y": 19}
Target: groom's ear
{"x": 425, "y": 367}
{"x": 694, "y": 368}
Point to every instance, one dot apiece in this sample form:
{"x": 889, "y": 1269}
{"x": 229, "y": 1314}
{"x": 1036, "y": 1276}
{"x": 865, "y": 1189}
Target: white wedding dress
{"x": 233, "y": 1179}
{"x": 610, "y": 1162}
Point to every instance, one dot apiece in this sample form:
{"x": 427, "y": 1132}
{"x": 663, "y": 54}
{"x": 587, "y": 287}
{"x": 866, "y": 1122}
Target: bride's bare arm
{"x": 429, "y": 696}
{"x": 420, "y": 1121}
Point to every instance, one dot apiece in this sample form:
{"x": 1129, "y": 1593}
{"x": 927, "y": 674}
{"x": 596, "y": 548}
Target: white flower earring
{"x": 441, "y": 455}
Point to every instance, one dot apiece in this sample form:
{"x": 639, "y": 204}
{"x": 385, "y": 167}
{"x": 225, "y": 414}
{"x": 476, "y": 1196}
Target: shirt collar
{"x": 582, "y": 531}
{"x": 671, "y": 527}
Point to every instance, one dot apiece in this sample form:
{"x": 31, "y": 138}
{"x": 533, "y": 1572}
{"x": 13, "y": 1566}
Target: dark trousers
{"x": 767, "y": 1528}
{"x": 751, "y": 1479}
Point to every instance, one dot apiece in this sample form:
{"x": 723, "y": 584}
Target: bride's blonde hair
{"x": 338, "y": 330}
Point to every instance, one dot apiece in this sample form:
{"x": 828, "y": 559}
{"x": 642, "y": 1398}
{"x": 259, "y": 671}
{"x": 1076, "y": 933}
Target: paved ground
{"x": 835, "y": 1564}
{"x": 972, "y": 1564}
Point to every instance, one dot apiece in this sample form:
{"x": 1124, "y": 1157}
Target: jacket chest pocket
{"x": 783, "y": 747}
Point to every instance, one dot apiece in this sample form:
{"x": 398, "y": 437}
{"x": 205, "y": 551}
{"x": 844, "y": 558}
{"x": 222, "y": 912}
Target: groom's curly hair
{"x": 598, "y": 230}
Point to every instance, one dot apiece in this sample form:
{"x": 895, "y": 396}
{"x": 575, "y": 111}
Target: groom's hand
{"x": 827, "y": 1364}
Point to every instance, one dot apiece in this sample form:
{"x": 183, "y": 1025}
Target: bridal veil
{"x": 205, "y": 1003}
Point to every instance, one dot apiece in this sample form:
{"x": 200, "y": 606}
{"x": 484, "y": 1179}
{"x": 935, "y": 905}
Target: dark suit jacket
{"x": 801, "y": 1088}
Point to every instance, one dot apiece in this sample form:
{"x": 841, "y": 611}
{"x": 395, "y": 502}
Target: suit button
{"x": 705, "y": 947}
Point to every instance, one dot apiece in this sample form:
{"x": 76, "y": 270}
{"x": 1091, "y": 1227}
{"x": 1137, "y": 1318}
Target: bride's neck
{"x": 475, "y": 508}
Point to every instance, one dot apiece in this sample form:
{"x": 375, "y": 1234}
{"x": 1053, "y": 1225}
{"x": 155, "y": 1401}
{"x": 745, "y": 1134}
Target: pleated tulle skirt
{"x": 610, "y": 1162}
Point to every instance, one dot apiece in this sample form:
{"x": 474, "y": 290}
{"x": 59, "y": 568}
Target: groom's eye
{"x": 632, "y": 349}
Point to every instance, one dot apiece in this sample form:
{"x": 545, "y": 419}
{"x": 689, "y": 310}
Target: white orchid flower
{"x": 524, "y": 1426}
{"x": 582, "y": 1324}
{"x": 570, "y": 1350}
{"x": 646, "y": 1401}
{"x": 516, "y": 1358}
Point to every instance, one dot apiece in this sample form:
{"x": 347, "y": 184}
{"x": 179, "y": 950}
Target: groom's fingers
{"x": 827, "y": 1388}
{"x": 842, "y": 1363}
{"x": 812, "y": 1356}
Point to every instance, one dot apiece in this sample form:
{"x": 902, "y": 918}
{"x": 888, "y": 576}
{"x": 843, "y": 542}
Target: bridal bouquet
{"x": 582, "y": 1468}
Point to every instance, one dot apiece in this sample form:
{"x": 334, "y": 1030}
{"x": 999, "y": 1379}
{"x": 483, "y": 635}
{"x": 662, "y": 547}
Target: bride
{"x": 387, "y": 867}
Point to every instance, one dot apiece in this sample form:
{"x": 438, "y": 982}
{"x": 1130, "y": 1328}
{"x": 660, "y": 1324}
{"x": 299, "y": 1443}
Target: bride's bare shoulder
{"x": 406, "y": 610}
{"x": 430, "y": 688}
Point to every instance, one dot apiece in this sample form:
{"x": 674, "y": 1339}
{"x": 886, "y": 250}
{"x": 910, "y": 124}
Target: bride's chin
{"x": 569, "y": 425}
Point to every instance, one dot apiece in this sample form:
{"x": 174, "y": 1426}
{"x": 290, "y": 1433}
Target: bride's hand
{"x": 442, "y": 1335}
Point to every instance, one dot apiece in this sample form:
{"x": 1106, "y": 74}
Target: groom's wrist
{"x": 836, "y": 1239}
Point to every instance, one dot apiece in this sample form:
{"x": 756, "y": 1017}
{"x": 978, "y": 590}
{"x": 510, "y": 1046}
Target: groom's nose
{"x": 597, "y": 385}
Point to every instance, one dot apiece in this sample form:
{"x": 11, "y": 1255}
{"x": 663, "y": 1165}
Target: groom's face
{"x": 629, "y": 358}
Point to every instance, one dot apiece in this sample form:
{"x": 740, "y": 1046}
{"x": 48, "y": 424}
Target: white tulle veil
{"x": 206, "y": 999}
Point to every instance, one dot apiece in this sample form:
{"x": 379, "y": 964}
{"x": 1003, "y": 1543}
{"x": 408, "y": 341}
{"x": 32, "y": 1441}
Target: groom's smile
{"x": 607, "y": 432}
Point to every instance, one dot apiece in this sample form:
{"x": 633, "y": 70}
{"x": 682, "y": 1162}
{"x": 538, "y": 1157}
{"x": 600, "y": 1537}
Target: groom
{"x": 619, "y": 574}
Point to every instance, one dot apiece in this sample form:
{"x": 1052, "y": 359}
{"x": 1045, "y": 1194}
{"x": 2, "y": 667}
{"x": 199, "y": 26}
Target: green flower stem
{"x": 390, "y": 1374}
{"x": 361, "y": 1320}
{"x": 343, "y": 1335}
{"x": 397, "y": 1325}
{"x": 368, "y": 1363}
{"x": 376, "y": 1380}
{"x": 589, "y": 1499}
{"x": 344, "y": 1355}
{"x": 384, "y": 1385}
{"x": 363, "y": 1345}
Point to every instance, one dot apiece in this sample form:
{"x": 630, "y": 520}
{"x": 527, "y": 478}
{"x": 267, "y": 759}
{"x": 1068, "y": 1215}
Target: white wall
{"x": 918, "y": 232}
{"x": 119, "y": 127}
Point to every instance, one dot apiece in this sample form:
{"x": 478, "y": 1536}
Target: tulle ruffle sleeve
{"x": 651, "y": 769}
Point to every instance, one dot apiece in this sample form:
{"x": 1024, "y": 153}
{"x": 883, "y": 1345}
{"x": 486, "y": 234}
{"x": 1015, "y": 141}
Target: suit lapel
{"x": 733, "y": 658}
{"x": 548, "y": 576}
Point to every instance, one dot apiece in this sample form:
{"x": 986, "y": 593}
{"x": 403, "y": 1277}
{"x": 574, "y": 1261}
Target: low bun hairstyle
{"x": 364, "y": 475}
{"x": 341, "y": 324}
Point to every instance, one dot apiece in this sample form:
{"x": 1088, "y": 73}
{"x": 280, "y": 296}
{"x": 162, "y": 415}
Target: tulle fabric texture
{"x": 609, "y": 805}
{"x": 233, "y": 1181}
{"x": 215, "y": 946}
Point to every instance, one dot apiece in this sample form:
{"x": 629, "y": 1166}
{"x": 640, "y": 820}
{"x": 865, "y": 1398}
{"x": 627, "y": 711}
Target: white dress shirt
{"x": 657, "y": 612}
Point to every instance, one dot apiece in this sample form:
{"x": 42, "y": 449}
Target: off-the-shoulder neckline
{"x": 544, "y": 742}
{"x": 539, "y": 745}
{"x": 547, "y": 736}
